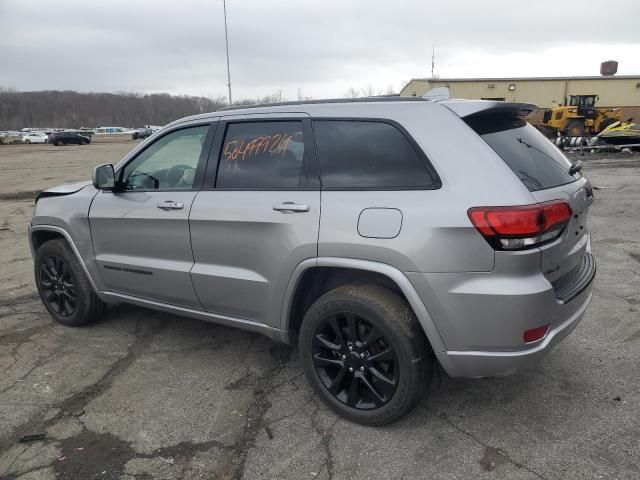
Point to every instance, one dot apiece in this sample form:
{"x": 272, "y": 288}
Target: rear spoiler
{"x": 464, "y": 108}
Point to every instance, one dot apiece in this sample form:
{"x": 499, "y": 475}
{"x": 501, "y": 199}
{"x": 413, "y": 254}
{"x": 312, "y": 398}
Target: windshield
{"x": 534, "y": 159}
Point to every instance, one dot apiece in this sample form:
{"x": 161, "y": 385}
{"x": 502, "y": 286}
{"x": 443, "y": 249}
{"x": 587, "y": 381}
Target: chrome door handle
{"x": 290, "y": 207}
{"x": 170, "y": 205}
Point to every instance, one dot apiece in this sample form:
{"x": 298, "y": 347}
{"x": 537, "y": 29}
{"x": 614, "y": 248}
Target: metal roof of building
{"x": 515, "y": 79}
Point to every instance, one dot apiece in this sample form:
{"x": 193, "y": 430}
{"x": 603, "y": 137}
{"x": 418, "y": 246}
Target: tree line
{"x": 71, "y": 109}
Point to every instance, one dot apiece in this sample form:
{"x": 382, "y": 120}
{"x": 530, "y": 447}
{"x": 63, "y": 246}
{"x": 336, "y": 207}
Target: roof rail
{"x": 381, "y": 98}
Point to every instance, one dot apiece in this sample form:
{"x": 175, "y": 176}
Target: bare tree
{"x": 352, "y": 92}
{"x": 69, "y": 109}
{"x": 370, "y": 91}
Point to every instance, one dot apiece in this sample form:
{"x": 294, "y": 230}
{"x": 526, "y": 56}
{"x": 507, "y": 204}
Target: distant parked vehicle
{"x": 35, "y": 137}
{"x": 141, "y": 133}
{"x": 68, "y": 138}
{"x": 10, "y": 137}
{"x": 111, "y": 130}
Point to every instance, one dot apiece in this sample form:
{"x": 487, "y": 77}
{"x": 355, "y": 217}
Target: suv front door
{"x": 258, "y": 218}
{"x": 140, "y": 231}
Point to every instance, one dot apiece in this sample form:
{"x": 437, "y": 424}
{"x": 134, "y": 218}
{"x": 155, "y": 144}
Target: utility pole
{"x": 226, "y": 40}
{"x": 433, "y": 59}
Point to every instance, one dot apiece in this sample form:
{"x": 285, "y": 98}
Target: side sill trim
{"x": 273, "y": 333}
{"x": 63, "y": 232}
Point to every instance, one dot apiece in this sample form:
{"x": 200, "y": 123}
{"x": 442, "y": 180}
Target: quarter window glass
{"x": 170, "y": 163}
{"x": 263, "y": 155}
{"x": 365, "y": 154}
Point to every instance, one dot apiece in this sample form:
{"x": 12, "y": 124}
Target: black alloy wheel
{"x": 58, "y": 285}
{"x": 365, "y": 354}
{"x": 63, "y": 285}
{"x": 354, "y": 361}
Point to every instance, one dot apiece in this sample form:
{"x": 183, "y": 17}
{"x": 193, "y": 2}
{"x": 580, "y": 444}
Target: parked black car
{"x": 142, "y": 133}
{"x": 67, "y": 138}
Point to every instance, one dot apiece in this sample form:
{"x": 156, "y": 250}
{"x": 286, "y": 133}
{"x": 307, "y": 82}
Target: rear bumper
{"x": 495, "y": 364}
{"x": 481, "y": 317}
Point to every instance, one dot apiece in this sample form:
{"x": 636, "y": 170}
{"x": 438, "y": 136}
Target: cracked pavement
{"x": 147, "y": 395}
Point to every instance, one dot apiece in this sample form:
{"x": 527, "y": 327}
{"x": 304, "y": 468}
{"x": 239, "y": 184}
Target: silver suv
{"x": 382, "y": 236}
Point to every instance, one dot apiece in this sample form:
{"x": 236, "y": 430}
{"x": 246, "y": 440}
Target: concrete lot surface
{"x": 146, "y": 395}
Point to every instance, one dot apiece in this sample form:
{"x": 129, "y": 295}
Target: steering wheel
{"x": 175, "y": 173}
{"x": 156, "y": 182}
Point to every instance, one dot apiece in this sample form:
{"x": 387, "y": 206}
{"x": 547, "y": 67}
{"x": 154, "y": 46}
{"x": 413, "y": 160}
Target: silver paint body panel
{"x": 143, "y": 250}
{"x": 245, "y": 252}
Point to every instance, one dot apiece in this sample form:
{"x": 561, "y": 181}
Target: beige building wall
{"x": 622, "y": 91}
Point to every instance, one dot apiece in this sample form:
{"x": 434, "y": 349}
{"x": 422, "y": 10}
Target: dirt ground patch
{"x": 142, "y": 395}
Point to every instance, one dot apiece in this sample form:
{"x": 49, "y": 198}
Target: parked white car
{"x": 10, "y": 136}
{"x": 35, "y": 137}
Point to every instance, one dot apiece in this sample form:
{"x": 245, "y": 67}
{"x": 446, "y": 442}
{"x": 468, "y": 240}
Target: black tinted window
{"x": 366, "y": 154}
{"x": 264, "y": 155}
{"x": 533, "y": 158}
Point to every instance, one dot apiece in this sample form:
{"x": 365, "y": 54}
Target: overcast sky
{"x": 319, "y": 47}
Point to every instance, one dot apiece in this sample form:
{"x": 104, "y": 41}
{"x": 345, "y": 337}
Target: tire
{"x": 27, "y": 142}
{"x": 58, "y": 143}
{"x": 575, "y": 128}
{"x": 387, "y": 343}
{"x": 63, "y": 286}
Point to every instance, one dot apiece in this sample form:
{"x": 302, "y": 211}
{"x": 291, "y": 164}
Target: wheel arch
{"x": 314, "y": 277}
{"x": 39, "y": 234}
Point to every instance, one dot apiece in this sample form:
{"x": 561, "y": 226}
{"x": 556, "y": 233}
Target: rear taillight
{"x": 520, "y": 227}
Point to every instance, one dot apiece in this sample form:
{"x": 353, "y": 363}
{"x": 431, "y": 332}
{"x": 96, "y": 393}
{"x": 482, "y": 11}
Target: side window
{"x": 368, "y": 154}
{"x": 170, "y": 163}
{"x": 265, "y": 154}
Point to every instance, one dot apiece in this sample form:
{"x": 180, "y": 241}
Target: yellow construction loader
{"x": 579, "y": 117}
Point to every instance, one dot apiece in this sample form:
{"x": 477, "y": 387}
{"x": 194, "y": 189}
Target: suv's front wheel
{"x": 63, "y": 286}
{"x": 365, "y": 354}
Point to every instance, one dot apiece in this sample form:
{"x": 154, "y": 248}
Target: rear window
{"x": 533, "y": 158}
{"x": 356, "y": 154}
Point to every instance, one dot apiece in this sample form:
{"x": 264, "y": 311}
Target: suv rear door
{"x": 258, "y": 215}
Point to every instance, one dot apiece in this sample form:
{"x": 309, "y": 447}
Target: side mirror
{"x": 103, "y": 177}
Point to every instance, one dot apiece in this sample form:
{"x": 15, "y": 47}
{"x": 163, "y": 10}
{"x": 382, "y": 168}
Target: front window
{"x": 170, "y": 163}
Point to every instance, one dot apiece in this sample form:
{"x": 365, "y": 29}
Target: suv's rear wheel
{"x": 365, "y": 354}
{"x": 63, "y": 286}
